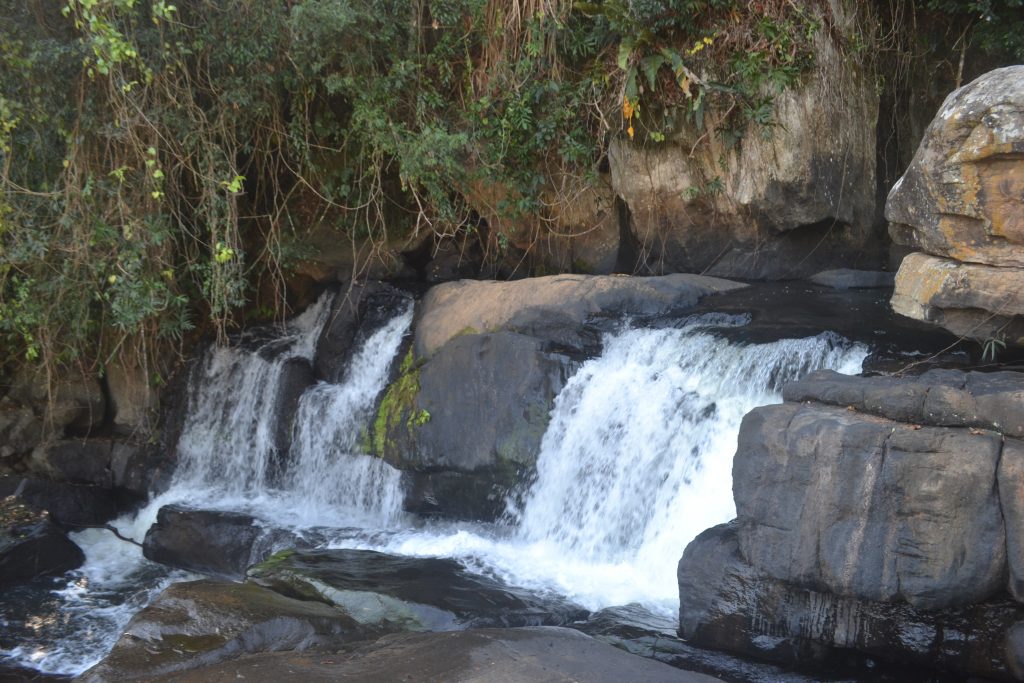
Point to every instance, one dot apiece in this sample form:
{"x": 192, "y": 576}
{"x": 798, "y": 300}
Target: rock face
{"x": 962, "y": 201}
{"x": 771, "y": 207}
{"x": 876, "y": 514}
{"x": 470, "y": 405}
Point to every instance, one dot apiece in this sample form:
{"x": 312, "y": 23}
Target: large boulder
{"x": 469, "y": 407}
{"x": 776, "y": 206}
{"x": 553, "y": 307}
{"x": 477, "y": 409}
{"x": 962, "y": 201}
{"x": 876, "y": 514}
{"x": 408, "y": 593}
{"x": 31, "y": 545}
{"x": 133, "y": 402}
{"x": 70, "y": 505}
{"x": 201, "y": 623}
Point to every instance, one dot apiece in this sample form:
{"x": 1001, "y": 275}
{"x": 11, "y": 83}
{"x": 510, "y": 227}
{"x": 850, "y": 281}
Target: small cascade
{"x": 637, "y": 459}
{"x": 329, "y": 469}
{"x": 229, "y": 442}
{"x": 229, "y": 437}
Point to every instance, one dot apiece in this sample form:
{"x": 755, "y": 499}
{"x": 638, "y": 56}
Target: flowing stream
{"x": 636, "y": 461}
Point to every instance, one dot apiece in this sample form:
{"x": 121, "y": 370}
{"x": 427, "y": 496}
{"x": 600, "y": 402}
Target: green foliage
{"x": 997, "y": 25}
{"x": 202, "y": 139}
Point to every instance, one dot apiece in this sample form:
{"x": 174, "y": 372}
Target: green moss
{"x": 272, "y": 562}
{"x": 398, "y": 406}
{"x": 194, "y": 644}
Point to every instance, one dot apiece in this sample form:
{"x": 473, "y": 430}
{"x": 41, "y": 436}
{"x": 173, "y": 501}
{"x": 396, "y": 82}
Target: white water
{"x": 636, "y": 461}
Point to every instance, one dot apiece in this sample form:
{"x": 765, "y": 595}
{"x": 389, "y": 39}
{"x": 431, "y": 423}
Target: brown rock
{"x": 968, "y": 299}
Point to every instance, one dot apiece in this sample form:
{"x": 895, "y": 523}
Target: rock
{"x": 20, "y": 429}
{"x": 479, "y": 406}
{"x": 221, "y": 544}
{"x": 70, "y": 505}
{"x": 1015, "y": 650}
{"x": 727, "y": 604}
{"x": 962, "y": 200}
{"x": 407, "y": 593}
{"x": 961, "y": 196}
{"x": 296, "y": 376}
{"x": 75, "y": 401}
{"x": 539, "y": 654}
{"x": 846, "y": 278}
{"x": 32, "y": 546}
{"x": 81, "y": 461}
{"x": 941, "y": 398}
{"x": 141, "y": 470}
{"x": 771, "y": 207}
{"x": 861, "y": 507}
{"x": 357, "y": 312}
{"x": 132, "y": 400}
{"x": 1011, "y": 496}
{"x": 201, "y": 623}
{"x": 968, "y": 299}
{"x": 551, "y": 307}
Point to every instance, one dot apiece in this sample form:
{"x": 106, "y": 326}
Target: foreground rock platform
{"x": 537, "y": 654}
{"x": 876, "y": 515}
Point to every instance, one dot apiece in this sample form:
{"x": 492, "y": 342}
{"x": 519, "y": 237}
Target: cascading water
{"x": 636, "y": 461}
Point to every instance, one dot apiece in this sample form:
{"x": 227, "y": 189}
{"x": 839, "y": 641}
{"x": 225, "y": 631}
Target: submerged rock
{"x": 539, "y": 655}
{"x": 846, "y": 278}
{"x": 408, "y": 593}
{"x": 31, "y": 545}
{"x": 200, "y": 623}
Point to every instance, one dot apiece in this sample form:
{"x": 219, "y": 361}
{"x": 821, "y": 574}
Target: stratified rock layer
{"x": 962, "y": 201}
{"x": 876, "y": 514}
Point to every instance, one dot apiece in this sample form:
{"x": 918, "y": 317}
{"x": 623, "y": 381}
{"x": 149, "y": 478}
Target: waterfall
{"x": 229, "y": 447}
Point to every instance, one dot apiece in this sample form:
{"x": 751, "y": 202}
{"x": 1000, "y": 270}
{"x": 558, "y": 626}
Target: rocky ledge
{"x": 878, "y": 515}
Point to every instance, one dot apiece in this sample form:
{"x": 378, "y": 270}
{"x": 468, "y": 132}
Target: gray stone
{"x": 727, "y": 604}
{"x": 201, "y": 623}
{"x": 1015, "y": 650}
{"x": 69, "y": 505}
{"x": 81, "y": 461}
{"x": 942, "y": 398}
{"x": 861, "y": 507}
{"x": 20, "y": 429}
{"x": 847, "y": 278}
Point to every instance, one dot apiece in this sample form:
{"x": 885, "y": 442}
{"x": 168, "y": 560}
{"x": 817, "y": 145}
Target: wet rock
{"x": 201, "y": 623}
{"x": 725, "y": 603}
{"x": 221, "y": 544}
{"x": 408, "y": 593}
{"x": 540, "y": 654}
{"x": 75, "y": 401}
{"x": 1015, "y": 650}
{"x": 73, "y": 506}
{"x": 358, "y": 311}
{"x": 846, "y": 278}
{"x": 832, "y": 500}
{"x": 140, "y": 469}
{"x": 1011, "y": 497}
{"x": 478, "y": 407}
{"x": 551, "y": 308}
{"x": 31, "y": 545}
{"x": 961, "y": 202}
